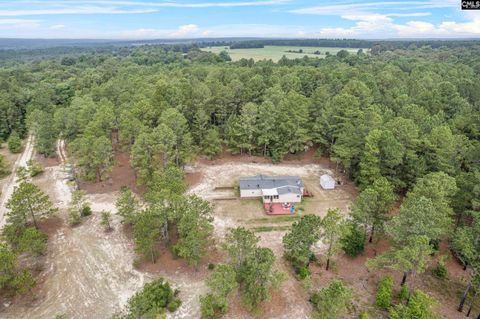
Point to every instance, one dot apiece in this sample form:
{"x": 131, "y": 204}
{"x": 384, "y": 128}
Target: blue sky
{"x": 148, "y": 19}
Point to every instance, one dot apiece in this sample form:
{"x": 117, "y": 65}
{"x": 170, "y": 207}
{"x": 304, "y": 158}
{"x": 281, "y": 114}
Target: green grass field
{"x": 275, "y": 53}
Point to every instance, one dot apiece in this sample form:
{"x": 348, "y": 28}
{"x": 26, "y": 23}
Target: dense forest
{"x": 401, "y": 120}
{"x": 398, "y": 115}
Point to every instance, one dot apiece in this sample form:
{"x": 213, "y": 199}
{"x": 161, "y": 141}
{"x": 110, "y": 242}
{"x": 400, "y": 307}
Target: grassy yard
{"x": 275, "y": 53}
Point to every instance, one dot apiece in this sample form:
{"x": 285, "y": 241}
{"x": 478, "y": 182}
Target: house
{"x": 327, "y": 182}
{"x": 272, "y": 189}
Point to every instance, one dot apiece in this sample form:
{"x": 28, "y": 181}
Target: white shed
{"x": 327, "y": 182}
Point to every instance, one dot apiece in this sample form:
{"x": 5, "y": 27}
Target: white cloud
{"x": 73, "y": 10}
{"x": 19, "y": 23}
{"x": 195, "y": 31}
{"x": 57, "y": 26}
{"x": 371, "y": 24}
{"x": 381, "y": 26}
{"x": 371, "y": 17}
{"x": 193, "y": 5}
{"x": 142, "y": 33}
{"x": 340, "y": 9}
{"x": 122, "y": 7}
{"x": 413, "y": 14}
{"x": 466, "y": 28}
{"x": 186, "y": 30}
{"x": 415, "y": 28}
{"x": 57, "y": 7}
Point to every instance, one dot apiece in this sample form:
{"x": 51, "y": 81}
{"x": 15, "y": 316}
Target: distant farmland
{"x": 275, "y": 53}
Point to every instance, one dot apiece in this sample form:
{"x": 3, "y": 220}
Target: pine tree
{"x": 94, "y": 155}
{"x": 334, "y": 228}
{"x": 239, "y": 244}
{"x": 194, "y": 226}
{"x": 411, "y": 259}
{"x": 373, "y": 205}
{"x": 146, "y": 231}
{"x": 299, "y": 240}
{"x": 28, "y": 204}
{"x": 127, "y": 206}
{"x": 14, "y": 142}
{"x": 211, "y": 144}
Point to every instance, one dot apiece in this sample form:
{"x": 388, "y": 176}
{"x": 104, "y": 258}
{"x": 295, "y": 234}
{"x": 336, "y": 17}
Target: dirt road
{"x": 10, "y": 184}
{"x": 89, "y": 273}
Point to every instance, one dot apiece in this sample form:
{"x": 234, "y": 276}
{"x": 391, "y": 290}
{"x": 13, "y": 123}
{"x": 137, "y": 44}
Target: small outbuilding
{"x": 327, "y": 182}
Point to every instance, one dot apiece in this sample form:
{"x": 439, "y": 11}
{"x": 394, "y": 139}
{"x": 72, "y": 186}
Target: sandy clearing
{"x": 291, "y": 300}
{"x": 89, "y": 273}
{"x": 234, "y": 213}
{"x": 10, "y": 183}
{"x": 228, "y": 174}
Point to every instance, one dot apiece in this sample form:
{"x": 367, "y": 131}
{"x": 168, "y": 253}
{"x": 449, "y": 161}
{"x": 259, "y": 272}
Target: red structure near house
{"x": 279, "y": 208}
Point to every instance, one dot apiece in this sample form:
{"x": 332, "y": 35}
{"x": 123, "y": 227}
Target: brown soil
{"x": 363, "y": 281}
{"x": 51, "y": 225}
{"x": 169, "y": 264}
{"x": 308, "y": 157}
{"x": 193, "y": 178}
{"x": 9, "y": 156}
{"x": 47, "y": 161}
{"x": 122, "y": 175}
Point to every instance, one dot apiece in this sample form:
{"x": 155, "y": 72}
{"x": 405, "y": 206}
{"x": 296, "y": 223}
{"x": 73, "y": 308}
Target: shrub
{"x": 420, "y": 306}
{"x": 364, "y": 315}
{"x": 332, "y": 301}
{"x": 34, "y": 168}
{"x": 211, "y": 266}
{"x": 86, "y": 211}
{"x": 441, "y": 271}
{"x": 404, "y": 294}
{"x": 384, "y": 293}
{"x": 22, "y": 174}
{"x": 4, "y": 170}
{"x": 173, "y": 306}
{"x": 151, "y": 302}
{"x": 33, "y": 241}
{"x": 14, "y": 143}
{"x": 136, "y": 263}
{"x": 303, "y": 273}
{"x": 106, "y": 220}
{"x": 73, "y": 218}
{"x": 353, "y": 243}
{"x": 208, "y": 307}
{"x": 23, "y": 282}
{"x": 435, "y": 243}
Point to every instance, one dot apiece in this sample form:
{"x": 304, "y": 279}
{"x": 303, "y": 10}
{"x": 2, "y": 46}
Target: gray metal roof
{"x": 269, "y": 182}
{"x": 289, "y": 189}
